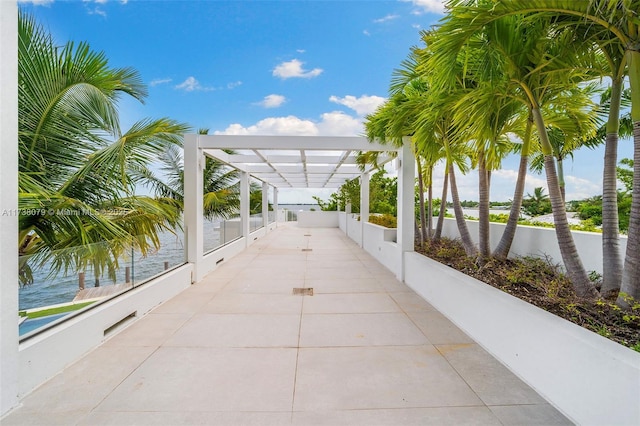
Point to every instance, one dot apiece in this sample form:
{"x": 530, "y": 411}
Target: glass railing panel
{"x": 231, "y": 229}
{"x": 212, "y": 234}
{"x": 67, "y": 281}
{"x": 255, "y": 222}
{"x": 172, "y": 253}
{"x": 272, "y": 214}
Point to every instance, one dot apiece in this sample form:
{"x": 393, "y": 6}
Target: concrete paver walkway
{"x": 239, "y": 348}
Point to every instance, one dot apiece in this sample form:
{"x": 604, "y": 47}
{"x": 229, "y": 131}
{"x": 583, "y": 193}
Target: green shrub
{"x": 385, "y": 220}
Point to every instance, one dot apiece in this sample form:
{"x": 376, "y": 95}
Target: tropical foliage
{"x": 383, "y": 195}
{"x": 78, "y": 171}
{"x": 493, "y": 72}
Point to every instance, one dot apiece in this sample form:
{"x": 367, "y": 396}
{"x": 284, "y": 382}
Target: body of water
{"x": 49, "y": 290}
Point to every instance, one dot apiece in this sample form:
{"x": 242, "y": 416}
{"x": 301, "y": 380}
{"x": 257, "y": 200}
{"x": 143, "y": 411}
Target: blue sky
{"x": 272, "y": 67}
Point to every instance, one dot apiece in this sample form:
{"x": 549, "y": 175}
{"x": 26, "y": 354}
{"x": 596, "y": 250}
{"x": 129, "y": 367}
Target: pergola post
{"x": 193, "y": 204}
{"x": 9, "y": 355}
{"x": 364, "y": 204}
{"x": 244, "y": 207}
{"x": 265, "y": 205}
{"x": 275, "y": 204}
{"x": 406, "y": 202}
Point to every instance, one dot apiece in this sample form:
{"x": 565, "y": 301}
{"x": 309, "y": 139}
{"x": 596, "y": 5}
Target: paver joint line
{"x": 365, "y": 350}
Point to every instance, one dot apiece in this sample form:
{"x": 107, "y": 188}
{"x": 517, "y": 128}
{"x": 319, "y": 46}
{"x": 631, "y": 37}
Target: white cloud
{"x": 300, "y": 50}
{"x": 289, "y": 125}
{"x": 363, "y": 105}
{"x": 272, "y": 101}
{"x": 293, "y": 69}
{"x": 386, "y": 19}
{"x": 234, "y": 84}
{"x": 158, "y": 81}
{"x": 367, "y": 33}
{"x": 37, "y": 2}
{"x": 98, "y": 11}
{"x": 429, "y": 6}
{"x": 580, "y": 188}
{"x": 335, "y": 123}
{"x": 191, "y": 85}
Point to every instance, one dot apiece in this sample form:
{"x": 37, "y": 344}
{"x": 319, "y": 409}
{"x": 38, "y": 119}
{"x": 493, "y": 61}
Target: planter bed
{"x": 591, "y": 379}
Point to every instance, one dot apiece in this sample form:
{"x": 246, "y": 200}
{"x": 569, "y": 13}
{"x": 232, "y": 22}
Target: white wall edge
{"x": 318, "y": 219}
{"x": 45, "y": 355}
{"x": 589, "y": 378}
{"x": 539, "y": 242}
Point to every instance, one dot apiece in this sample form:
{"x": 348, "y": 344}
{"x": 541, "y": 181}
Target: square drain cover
{"x": 303, "y": 291}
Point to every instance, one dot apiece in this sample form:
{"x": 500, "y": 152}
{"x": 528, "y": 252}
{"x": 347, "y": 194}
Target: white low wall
{"x": 535, "y": 241}
{"x": 380, "y": 243}
{"x": 342, "y": 221}
{"x": 44, "y": 355}
{"x": 354, "y": 228}
{"x": 319, "y": 219}
{"x": 591, "y": 379}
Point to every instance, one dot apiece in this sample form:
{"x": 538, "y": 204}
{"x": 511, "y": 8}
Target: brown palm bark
{"x": 631, "y": 274}
{"x": 572, "y": 263}
{"x": 561, "y": 182}
{"x": 423, "y": 225}
{"x": 483, "y": 208}
{"x": 443, "y": 206}
{"x": 509, "y": 233}
{"x": 430, "y": 206}
{"x": 463, "y": 230}
{"x": 611, "y": 256}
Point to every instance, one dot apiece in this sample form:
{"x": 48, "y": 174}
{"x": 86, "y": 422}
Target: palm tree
{"x": 76, "y": 168}
{"x": 570, "y": 128}
{"x": 538, "y": 203}
{"x": 531, "y": 62}
{"x": 611, "y": 20}
{"x": 221, "y": 190}
{"x": 489, "y": 122}
{"x": 436, "y": 124}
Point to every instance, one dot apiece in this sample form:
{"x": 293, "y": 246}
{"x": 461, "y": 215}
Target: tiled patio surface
{"x": 239, "y": 348}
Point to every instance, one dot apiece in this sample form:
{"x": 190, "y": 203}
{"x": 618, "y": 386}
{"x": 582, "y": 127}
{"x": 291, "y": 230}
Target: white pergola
{"x": 289, "y": 162}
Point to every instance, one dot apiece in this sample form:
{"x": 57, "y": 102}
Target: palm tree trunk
{"x": 483, "y": 208}
{"x": 631, "y": 275}
{"x": 465, "y": 236}
{"x": 502, "y": 250}
{"x": 575, "y": 270}
{"x": 443, "y": 206}
{"x": 561, "y": 182}
{"x": 430, "y": 206}
{"x": 611, "y": 256}
{"x": 423, "y": 225}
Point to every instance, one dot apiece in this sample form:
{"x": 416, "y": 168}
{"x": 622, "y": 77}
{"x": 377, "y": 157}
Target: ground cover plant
{"x": 543, "y": 284}
{"x": 55, "y": 311}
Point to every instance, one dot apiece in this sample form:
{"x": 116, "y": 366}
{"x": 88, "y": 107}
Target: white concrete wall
{"x": 534, "y": 241}
{"x": 591, "y": 379}
{"x": 319, "y": 219}
{"x": 354, "y": 228}
{"x": 380, "y": 243}
{"x": 46, "y": 354}
{"x": 342, "y": 221}
{"x": 8, "y": 205}
{"x": 218, "y": 256}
